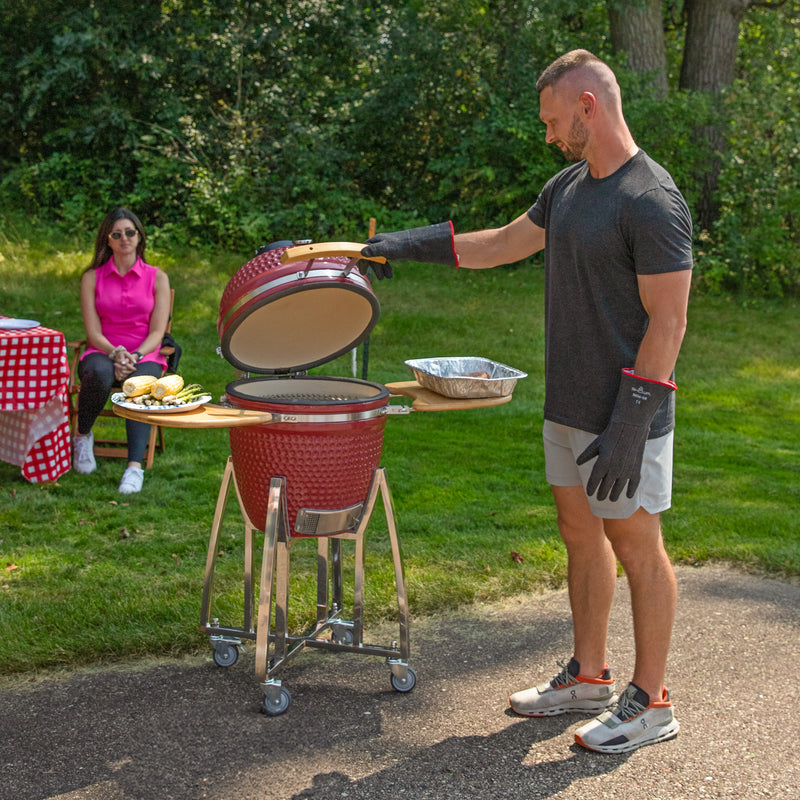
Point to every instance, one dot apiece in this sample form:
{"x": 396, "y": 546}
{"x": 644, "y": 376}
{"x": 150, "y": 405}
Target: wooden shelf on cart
{"x": 210, "y": 415}
{"x": 426, "y": 400}
{"x": 213, "y": 415}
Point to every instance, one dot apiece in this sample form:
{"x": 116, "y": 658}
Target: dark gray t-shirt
{"x": 599, "y": 235}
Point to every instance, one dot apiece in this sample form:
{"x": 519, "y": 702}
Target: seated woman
{"x": 125, "y": 307}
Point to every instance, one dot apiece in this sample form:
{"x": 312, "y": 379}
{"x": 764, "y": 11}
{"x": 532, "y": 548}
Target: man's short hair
{"x": 566, "y": 64}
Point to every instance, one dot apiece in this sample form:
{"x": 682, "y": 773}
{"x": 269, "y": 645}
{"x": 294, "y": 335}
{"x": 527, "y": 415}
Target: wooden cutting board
{"x": 426, "y": 400}
{"x": 207, "y": 416}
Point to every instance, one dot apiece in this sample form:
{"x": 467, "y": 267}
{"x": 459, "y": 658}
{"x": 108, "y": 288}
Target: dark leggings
{"x": 96, "y": 373}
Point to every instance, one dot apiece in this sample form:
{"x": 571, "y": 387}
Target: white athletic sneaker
{"x": 132, "y": 480}
{"x": 83, "y": 454}
{"x": 632, "y": 723}
{"x": 567, "y": 691}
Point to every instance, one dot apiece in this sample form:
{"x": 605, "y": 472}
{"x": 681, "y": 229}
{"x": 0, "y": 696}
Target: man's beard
{"x": 577, "y": 138}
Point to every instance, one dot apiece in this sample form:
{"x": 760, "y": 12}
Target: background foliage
{"x": 245, "y": 121}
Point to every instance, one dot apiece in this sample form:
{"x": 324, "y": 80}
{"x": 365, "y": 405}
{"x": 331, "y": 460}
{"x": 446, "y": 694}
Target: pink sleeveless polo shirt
{"x": 125, "y": 304}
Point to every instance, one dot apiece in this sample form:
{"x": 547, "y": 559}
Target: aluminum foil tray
{"x": 465, "y": 377}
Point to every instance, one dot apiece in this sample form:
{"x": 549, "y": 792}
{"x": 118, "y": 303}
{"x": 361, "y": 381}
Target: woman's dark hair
{"x": 102, "y": 251}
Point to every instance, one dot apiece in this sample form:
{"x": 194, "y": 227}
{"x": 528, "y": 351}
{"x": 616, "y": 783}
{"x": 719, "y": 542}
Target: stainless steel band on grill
{"x": 319, "y": 418}
{"x": 289, "y": 280}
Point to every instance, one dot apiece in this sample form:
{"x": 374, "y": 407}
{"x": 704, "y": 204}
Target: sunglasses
{"x": 130, "y": 233}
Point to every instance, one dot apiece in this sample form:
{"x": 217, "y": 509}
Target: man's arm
{"x": 438, "y": 244}
{"x": 665, "y": 297}
{"x": 490, "y": 248}
{"x": 620, "y": 448}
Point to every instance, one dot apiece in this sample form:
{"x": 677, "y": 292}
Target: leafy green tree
{"x": 753, "y": 246}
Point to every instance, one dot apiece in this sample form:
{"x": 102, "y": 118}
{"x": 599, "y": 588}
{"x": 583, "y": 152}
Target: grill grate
{"x": 307, "y": 391}
{"x": 313, "y": 397}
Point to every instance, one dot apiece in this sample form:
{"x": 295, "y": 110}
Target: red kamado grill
{"x": 306, "y": 450}
{"x": 280, "y": 319}
{"x": 312, "y": 469}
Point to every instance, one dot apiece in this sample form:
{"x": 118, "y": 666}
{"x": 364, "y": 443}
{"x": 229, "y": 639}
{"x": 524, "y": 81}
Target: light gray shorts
{"x": 562, "y": 445}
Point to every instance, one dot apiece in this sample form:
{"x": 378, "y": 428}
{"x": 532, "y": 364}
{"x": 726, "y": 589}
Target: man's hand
{"x": 620, "y": 447}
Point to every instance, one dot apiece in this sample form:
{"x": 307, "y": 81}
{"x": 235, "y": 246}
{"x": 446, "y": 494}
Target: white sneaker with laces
{"x": 634, "y": 722}
{"x": 83, "y": 454}
{"x": 567, "y": 692}
{"x": 132, "y": 480}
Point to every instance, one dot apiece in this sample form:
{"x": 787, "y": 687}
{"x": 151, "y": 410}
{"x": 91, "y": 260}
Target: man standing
{"x": 617, "y": 240}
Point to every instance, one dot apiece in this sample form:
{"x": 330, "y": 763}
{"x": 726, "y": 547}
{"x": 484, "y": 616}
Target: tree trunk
{"x": 709, "y": 62}
{"x": 636, "y": 29}
{"x": 712, "y": 37}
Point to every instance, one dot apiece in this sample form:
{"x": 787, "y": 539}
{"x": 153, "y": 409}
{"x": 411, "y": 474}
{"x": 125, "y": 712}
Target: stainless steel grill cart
{"x": 275, "y": 644}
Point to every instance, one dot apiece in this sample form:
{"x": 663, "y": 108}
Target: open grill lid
{"x": 278, "y": 318}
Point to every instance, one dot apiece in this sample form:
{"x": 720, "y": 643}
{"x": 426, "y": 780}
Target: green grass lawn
{"x": 90, "y": 575}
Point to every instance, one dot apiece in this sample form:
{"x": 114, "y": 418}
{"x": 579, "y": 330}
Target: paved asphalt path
{"x": 189, "y": 729}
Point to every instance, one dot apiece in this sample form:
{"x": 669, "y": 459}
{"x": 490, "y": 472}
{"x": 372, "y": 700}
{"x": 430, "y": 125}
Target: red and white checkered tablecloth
{"x": 34, "y": 416}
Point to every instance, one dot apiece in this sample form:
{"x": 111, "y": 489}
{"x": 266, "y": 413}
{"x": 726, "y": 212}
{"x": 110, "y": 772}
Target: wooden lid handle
{"x": 304, "y": 252}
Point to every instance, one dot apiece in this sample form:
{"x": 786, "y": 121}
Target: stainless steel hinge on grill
{"x": 350, "y": 266}
{"x": 398, "y": 410}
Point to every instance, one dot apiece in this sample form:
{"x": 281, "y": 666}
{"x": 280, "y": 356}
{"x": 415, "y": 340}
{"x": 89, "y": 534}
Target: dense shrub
{"x": 247, "y": 121}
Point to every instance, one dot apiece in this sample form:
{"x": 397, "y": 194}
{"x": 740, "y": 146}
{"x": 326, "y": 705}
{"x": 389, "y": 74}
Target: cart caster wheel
{"x": 226, "y": 656}
{"x": 274, "y": 709}
{"x": 400, "y": 685}
{"x": 343, "y": 637}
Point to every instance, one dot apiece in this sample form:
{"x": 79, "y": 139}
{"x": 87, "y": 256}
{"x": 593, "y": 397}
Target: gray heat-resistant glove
{"x": 431, "y": 244}
{"x": 620, "y": 447}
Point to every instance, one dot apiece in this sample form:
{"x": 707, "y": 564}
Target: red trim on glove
{"x": 453, "y": 242}
{"x": 632, "y": 374}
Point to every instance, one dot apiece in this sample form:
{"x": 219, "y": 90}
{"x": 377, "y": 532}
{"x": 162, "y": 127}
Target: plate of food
{"x": 165, "y": 395}
{"x": 155, "y": 407}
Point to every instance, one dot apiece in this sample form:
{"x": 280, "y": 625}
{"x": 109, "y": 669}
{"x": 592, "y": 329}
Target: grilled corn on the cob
{"x": 169, "y": 384}
{"x": 138, "y": 385}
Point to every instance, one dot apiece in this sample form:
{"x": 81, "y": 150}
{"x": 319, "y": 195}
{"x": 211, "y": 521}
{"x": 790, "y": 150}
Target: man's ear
{"x": 588, "y": 103}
